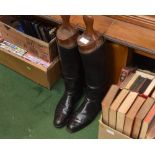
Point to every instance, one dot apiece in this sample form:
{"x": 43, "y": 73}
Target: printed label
{"x": 84, "y": 40}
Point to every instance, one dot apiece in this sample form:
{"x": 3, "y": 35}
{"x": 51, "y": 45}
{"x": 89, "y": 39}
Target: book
{"x": 145, "y": 85}
{"x": 131, "y": 114}
{"x": 114, "y": 107}
{"x": 28, "y": 56}
{"x": 146, "y": 122}
{"x": 149, "y": 88}
{"x": 108, "y": 99}
{"x": 132, "y": 80}
{"x": 151, "y": 132}
{"x": 36, "y": 26}
{"x": 135, "y": 83}
{"x": 142, "y": 85}
{"x": 123, "y": 109}
{"x": 145, "y": 74}
{"x": 126, "y": 81}
{"x": 146, "y": 71}
{"x": 140, "y": 116}
{"x": 135, "y": 86}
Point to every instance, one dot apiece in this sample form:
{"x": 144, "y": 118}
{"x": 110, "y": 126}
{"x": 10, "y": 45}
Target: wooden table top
{"x": 137, "y": 32}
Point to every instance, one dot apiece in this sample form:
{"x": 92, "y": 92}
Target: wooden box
{"x": 106, "y": 132}
{"x": 41, "y": 49}
{"x": 39, "y": 74}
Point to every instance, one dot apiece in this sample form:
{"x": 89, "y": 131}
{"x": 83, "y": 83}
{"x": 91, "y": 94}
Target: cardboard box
{"x": 106, "y": 132}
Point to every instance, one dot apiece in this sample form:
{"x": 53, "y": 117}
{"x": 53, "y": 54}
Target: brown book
{"x": 114, "y": 107}
{"x": 132, "y": 80}
{"x": 146, "y": 122}
{"x": 140, "y": 117}
{"x": 123, "y": 109}
{"x": 151, "y": 131}
{"x": 126, "y": 81}
{"x": 131, "y": 114}
{"x": 108, "y": 99}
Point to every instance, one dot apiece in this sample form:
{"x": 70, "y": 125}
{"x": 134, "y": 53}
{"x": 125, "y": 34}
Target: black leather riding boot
{"x": 72, "y": 73}
{"x": 95, "y": 75}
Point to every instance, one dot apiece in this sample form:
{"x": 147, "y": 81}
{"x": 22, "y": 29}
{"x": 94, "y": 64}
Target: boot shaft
{"x": 95, "y": 72}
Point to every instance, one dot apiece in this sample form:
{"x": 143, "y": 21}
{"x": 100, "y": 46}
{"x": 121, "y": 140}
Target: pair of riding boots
{"x": 77, "y": 69}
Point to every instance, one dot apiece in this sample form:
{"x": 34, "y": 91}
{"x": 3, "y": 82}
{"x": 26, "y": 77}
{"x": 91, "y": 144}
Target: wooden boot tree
{"x": 90, "y": 39}
{"x": 67, "y": 34}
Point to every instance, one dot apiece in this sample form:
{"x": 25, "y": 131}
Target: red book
{"x": 147, "y": 121}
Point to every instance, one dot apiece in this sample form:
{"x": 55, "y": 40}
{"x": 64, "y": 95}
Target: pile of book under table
{"x": 129, "y": 107}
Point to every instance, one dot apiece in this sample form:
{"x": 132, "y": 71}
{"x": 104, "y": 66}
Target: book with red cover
{"x": 147, "y": 105}
{"x": 151, "y": 132}
{"x": 147, "y": 121}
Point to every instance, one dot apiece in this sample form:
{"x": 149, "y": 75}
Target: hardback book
{"x": 131, "y": 114}
{"x": 149, "y": 88}
{"x": 144, "y": 86}
{"x": 145, "y": 74}
{"x": 147, "y": 121}
{"x": 108, "y": 99}
{"x": 140, "y": 116}
{"x": 151, "y": 132}
{"x": 126, "y": 81}
{"x": 125, "y": 72}
{"x": 146, "y": 71}
{"x": 135, "y": 86}
{"x": 132, "y": 80}
{"x": 123, "y": 109}
{"x": 36, "y": 26}
{"x": 41, "y": 28}
{"x": 114, "y": 107}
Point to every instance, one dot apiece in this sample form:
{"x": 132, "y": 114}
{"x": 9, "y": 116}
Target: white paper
{"x": 84, "y": 40}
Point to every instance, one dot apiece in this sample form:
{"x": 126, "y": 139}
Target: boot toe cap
{"x": 75, "y": 125}
{"x": 59, "y": 121}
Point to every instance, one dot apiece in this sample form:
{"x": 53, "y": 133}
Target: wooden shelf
{"x": 118, "y": 31}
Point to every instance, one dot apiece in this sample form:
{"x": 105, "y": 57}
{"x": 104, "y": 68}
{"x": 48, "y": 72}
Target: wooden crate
{"x": 39, "y": 74}
{"x": 41, "y": 49}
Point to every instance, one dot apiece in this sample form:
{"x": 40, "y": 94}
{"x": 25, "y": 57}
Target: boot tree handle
{"x": 94, "y": 39}
{"x": 66, "y": 21}
{"x": 66, "y": 34}
{"x": 89, "y": 21}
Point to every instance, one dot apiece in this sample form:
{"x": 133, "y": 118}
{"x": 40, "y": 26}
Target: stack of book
{"x": 129, "y": 107}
